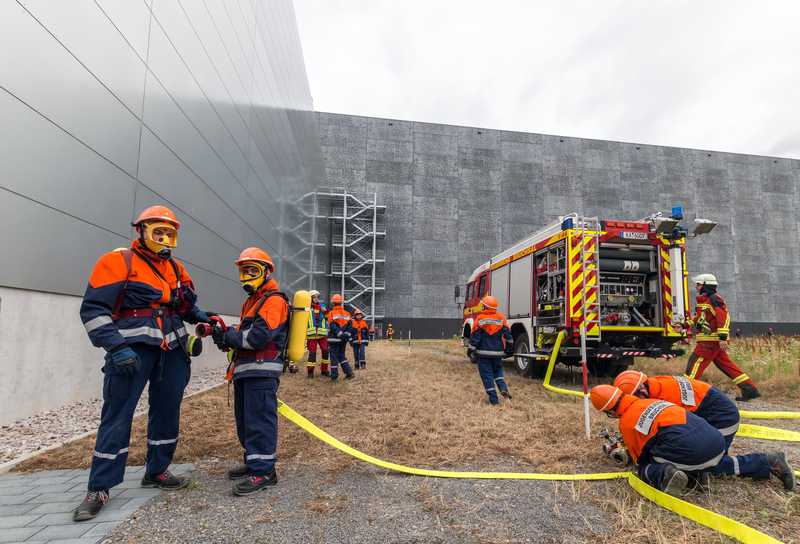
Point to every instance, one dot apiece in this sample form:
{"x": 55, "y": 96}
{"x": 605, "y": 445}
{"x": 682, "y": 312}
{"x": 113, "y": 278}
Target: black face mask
{"x": 249, "y": 289}
{"x": 164, "y": 254}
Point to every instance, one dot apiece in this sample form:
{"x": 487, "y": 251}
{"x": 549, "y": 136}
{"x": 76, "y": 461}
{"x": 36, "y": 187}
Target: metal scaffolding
{"x": 343, "y": 236}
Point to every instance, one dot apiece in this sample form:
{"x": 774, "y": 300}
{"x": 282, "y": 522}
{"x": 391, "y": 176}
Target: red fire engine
{"x": 624, "y": 283}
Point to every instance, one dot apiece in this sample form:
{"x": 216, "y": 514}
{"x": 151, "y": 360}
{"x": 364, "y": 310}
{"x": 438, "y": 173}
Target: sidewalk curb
{"x": 8, "y": 465}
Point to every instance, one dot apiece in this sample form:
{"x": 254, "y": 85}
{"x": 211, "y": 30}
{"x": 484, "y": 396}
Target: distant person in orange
{"x": 360, "y": 340}
{"x": 390, "y": 332}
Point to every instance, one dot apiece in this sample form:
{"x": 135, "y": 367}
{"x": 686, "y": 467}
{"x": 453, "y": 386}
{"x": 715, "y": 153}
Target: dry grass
{"x": 429, "y": 410}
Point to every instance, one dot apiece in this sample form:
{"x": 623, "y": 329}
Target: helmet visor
{"x": 160, "y": 235}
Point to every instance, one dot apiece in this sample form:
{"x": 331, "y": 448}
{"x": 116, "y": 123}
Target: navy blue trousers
{"x": 491, "y": 371}
{"x": 338, "y": 353}
{"x": 721, "y": 413}
{"x": 168, "y": 373}
{"x": 360, "y": 355}
{"x": 256, "y": 409}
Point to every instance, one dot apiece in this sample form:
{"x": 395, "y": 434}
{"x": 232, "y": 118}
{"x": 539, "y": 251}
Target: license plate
{"x": 634, "y": 235}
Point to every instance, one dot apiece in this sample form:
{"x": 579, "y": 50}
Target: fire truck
{"x": 621, "y": 286}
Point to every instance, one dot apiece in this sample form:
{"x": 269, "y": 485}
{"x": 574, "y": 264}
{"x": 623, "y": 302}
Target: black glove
{"x": 124, "y": 361}
{"x": 218, "y": 336}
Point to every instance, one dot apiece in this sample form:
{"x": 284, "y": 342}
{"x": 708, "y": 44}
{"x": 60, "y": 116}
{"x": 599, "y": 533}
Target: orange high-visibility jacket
{"x": 641, "y": 420}
{"x": 680, "y": 390}
{"x": 361, "y": 329}
{"x": 340, "y": 324}
{"x": 135, "y": 297}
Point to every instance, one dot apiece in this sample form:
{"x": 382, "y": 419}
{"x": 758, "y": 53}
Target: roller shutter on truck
{"x": 500, "y": 288}
{"x": 521, "y": 278}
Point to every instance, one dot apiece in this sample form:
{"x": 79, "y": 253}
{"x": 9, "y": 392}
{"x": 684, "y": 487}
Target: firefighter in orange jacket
{"x": 317, "y": 335}
{"x": 339, "y": 333}
{"x": 694, "y": 396}
{"x": 670, "y": 446}
{"x": 491, "y": 341}
{"x": 134, "y": 308}
{"x": 258, "y": 345}
{"x": 712, "y": 323}
{"x": 360, "y": 339}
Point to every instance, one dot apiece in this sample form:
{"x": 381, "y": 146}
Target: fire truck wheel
{"x": 522, "y": 364}
{"x": 473, "y": 358}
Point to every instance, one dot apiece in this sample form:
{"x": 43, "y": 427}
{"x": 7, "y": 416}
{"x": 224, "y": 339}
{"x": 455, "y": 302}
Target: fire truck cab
{"x": 624, "y": 282}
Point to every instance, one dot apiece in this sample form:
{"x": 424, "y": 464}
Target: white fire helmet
{"x": 705, "y": 279}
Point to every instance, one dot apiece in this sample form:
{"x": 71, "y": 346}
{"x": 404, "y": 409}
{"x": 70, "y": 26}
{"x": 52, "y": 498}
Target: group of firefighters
{"x": 139, "y": 298}
{"x": 136, "y": 304}
{"x": 676, "y": 429}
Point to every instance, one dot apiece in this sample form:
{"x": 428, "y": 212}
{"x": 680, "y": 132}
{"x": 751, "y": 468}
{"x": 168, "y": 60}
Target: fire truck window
{"x": 468, "y": 296}
{"x": 482, "y": 288}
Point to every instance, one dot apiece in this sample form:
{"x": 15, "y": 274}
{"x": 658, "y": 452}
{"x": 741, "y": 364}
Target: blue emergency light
{"x": 566, "y": 223}
{"x": 677, "y": 212}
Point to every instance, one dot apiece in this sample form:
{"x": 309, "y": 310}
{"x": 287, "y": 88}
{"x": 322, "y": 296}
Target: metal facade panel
{"x": 227, "y": 134}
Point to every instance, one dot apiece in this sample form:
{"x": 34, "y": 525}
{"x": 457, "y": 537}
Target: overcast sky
{"x": 719, "y": 75}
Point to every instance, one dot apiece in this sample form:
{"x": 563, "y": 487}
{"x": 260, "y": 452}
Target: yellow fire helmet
{"x": 160, "y": 237}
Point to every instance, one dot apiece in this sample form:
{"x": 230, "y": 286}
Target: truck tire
{"x": 521, "y": 346}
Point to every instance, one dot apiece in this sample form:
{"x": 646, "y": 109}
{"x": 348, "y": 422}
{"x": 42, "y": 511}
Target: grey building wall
{"x": 108, "y": 107}
{"x": 456, "y": 195}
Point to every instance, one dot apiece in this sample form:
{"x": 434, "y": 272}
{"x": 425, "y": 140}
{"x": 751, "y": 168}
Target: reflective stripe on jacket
{"x": 261, "y": 337}
{"x": 491, "y": 334}
{"x": 113, "y": 287}
{"x": 680, "y": 390}
{"x": 317, "y": 322}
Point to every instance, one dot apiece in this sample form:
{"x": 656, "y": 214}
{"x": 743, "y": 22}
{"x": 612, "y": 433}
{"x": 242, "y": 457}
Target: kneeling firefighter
{"x": 258, "y": 344}
{"x": 672, "y": 447}
{"x": 340, "y": 332}
{"x": 134, "y": 307}
{"x": 491, "y": 341}
{"x": 694, "y": 396}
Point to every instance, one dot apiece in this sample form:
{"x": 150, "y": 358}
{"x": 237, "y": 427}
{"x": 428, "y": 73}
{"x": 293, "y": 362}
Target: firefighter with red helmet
{"x": 712, "y": 323}
{"x": 491, "y": 341}
{"x": 694, "y": 396}
{"x": 317, "y": 335}
{"x": 672, "y": 447}
{"x": 339, "y": 333}
{"x": 258, "y": 344}
{"x": 135, "y": 306}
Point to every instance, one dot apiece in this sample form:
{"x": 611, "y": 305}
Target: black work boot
{"x": 238, "y": 472}
{"x": 700, "y": 481}
{"x": 506, "y": 393}
{"x": 349, "y": 376}
{"x": 91, "y": 505}
{"x": 310, "y": 371}
{"x": 674, "y": 481}
{"x": 165, "y": 480}
{"x": 749, "y": 392}
{"x": 779, "y": 468}
{"x": 254, "y": 484}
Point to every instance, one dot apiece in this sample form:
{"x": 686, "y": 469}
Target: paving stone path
{"x": 36, "y": 508}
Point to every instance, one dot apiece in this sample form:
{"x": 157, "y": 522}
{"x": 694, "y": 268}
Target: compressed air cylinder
{"x": 301, "y": 307}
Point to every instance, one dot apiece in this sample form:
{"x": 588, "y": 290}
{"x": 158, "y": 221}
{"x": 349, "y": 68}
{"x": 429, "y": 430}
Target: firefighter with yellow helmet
{"x": 258, "y": 345}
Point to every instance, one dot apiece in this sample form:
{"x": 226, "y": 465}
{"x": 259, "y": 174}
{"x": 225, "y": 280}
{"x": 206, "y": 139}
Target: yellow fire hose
{"x": 707, "y": 518}
{"x": 745, "y": 429}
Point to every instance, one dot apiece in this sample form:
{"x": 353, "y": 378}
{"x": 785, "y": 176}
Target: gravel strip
{"x": 58, "y": 426}
{"x": 366, "y": 506}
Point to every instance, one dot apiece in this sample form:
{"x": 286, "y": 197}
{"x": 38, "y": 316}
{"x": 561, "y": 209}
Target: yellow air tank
{"x": 301, "y": 307}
